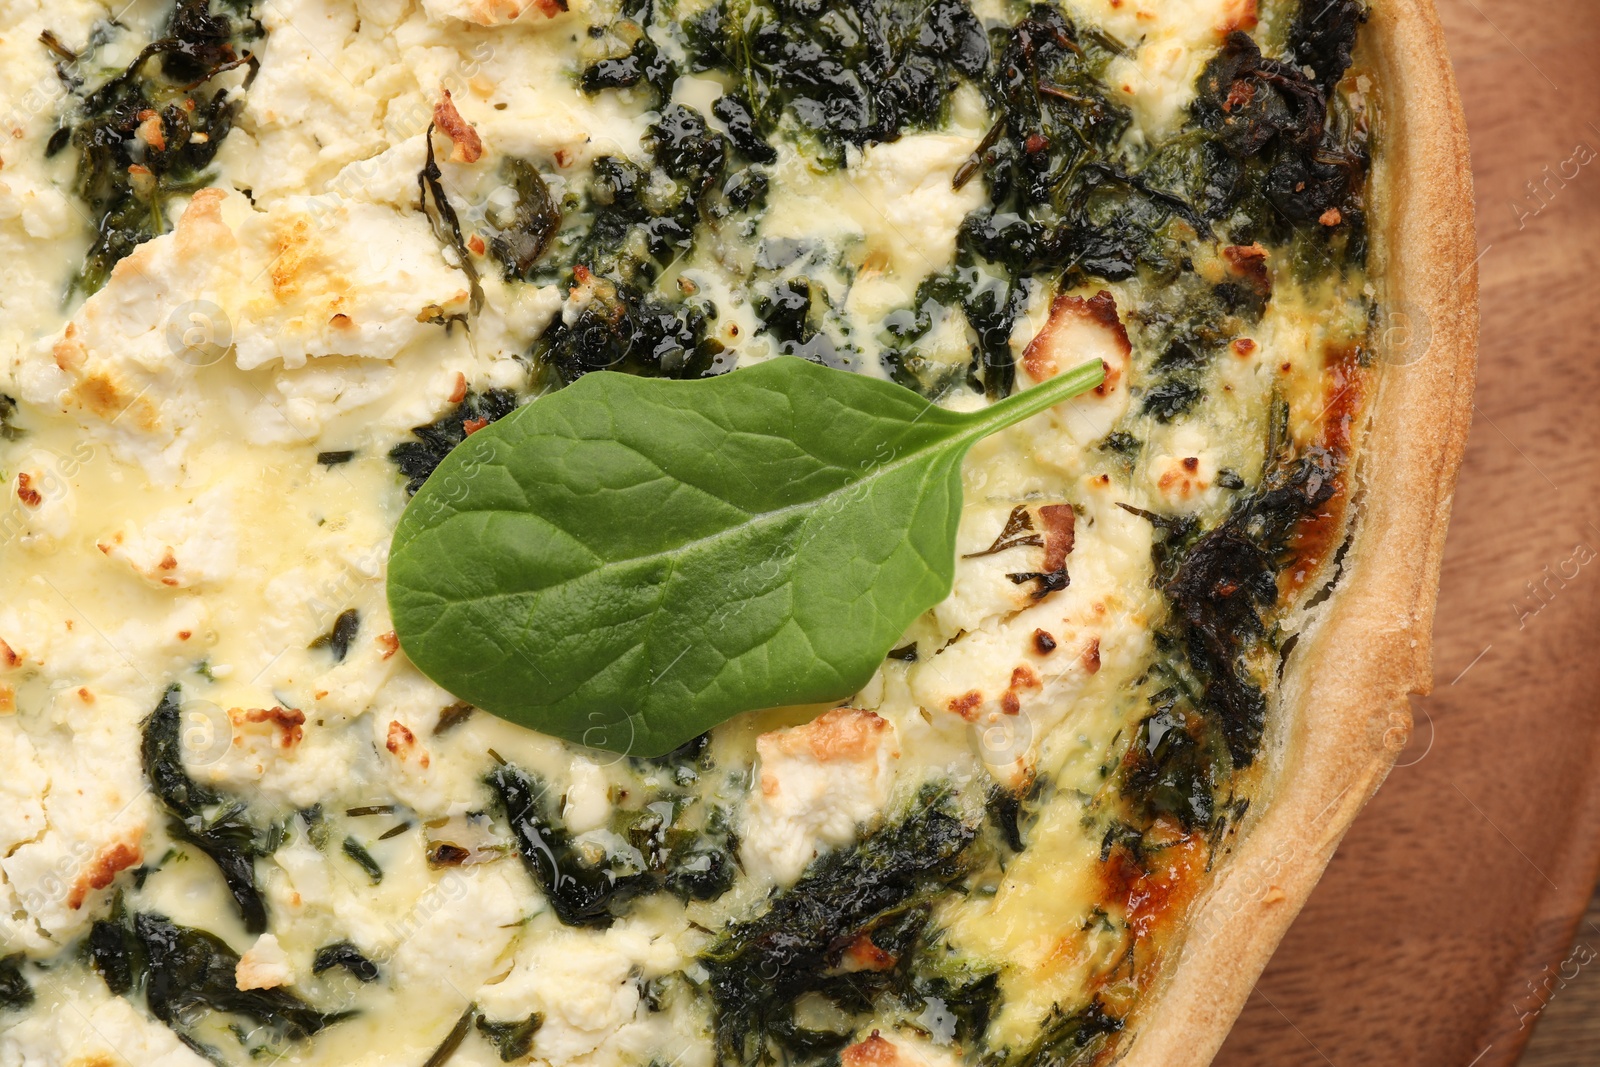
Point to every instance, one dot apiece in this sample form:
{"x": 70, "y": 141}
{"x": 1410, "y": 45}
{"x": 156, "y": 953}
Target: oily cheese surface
{"x": 252, "y": 300}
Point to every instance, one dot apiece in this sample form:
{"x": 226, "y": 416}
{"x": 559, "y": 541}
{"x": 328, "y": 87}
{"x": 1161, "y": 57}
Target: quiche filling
{"x": 267, "y": 262}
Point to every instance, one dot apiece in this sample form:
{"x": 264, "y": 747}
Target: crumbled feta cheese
{"x": 494, "y": 12}
{"x": 90, "y": 1026}
{"x": 265, "y": 965}
{"x": 588, "y": 801}
{"x": 902, "y": 1049}
{"x": 1169, "y": 43}
{"x": 583, "y": 985}
{"x": 911, "y": 211}
{"x": 467, "y": 927}
{"x": 179, "y": 547}
{"x": 815, "y": 785}
{"x": 93, "y": 828}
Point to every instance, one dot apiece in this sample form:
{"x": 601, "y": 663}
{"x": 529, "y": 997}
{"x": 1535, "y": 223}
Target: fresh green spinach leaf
{"x": 631, "y": 561}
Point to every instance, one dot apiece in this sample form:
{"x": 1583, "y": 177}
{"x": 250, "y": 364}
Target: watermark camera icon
{"x": 1402, "y": 334}
{"x": 603, "y": 738}
{"x": 1001, "y": 740}
{"x": 199, "y": 333}
{"x": 205, "y": 733}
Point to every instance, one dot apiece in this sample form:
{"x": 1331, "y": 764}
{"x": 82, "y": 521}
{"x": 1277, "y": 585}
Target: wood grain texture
{"x": 1439, "y": 933}
{"x": 1568, "y": 1031}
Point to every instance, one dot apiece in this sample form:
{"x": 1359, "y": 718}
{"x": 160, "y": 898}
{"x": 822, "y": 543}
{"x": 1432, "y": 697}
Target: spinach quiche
{"x": 270, "y": 269}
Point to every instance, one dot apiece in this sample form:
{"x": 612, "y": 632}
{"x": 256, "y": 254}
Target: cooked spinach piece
{"x": 695, "y": 865}
{"x": 622, "y": 328}
{"x": 1063, "y": 198}
{"x": 316, "y": 824}
{"x": 58, "y": 142}
{"x": 638, "y": 218}
{"x": 638, "y": 60}
{"x": 362, "y": 811}
{"x": 1226, "y": 582}
{"x": 209, "y": 819}
{"x": 734, "y": 111}
{"x": 187, "y": 974}
{"x": 452, "y": 1040}
{"x": 785, "y": 311}
{"x": 636, "y": 227}
{"x": 149, "y": 133}
{"x": 1069, "y": 200}
{"x": 878, "y": 889}
{"x": 334, "y": 459}
{"x": 114, "y": 954}
{"x": 337, "y": 640}
{"x": 443, "y": 218}
{"x": 1121, "y": 442}
{"x": 511, "y": 1040}
{"x": 191, "y": 972}
{"x": 686, "y": 762}
{"x": 1296, "y": 162}
{"x": 1180, "y": 761}
{"x": 1189, "y": 322}
{"x": 989, "y": 302}
{"x": 746, "y": 189}
{"x": 15, "y": 992}
{"x": 686, "y": 148}
{"x": 1068, "y": 1039}
{"x": 362, "y": 858}
{"x": 703, "y": 873}
{"x": 9, "y": 430}
{"x": 796, "y": 315}
{"x": 453, "y": 716}
{"x": 417, "y": 459}
{"x": 970, "y": 996}
{"x": 1222, "y": 584}
{"x": 580, "y": 893}
{"x": 642, "y": 62}
{"x": 1005, "y": 813}
{"x": 344, "y": 954}
{"x": 1047, "y": 87}
{"x": 992, "y": 312}
{"x": 1323, "y": 36}
{"x": 864, "y": 71}
{"x": 1170, "y": 399}
{"x": 522, "y": 236}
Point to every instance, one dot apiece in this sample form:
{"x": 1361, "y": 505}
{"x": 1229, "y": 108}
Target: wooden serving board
{"x": 1444, "y": 930}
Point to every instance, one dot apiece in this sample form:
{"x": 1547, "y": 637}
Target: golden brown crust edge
{"x": 1343, "y": 712}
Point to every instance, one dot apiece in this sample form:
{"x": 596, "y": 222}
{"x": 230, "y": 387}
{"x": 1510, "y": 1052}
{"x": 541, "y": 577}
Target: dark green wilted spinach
{"x": 586, "y": 893}
{"x": 15, "y": 992}
{"x": 880, "y": 890}
{"x": 207, "y": 818}
{"x": 187, "y": 974}
{"x": 149, "y": 133}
